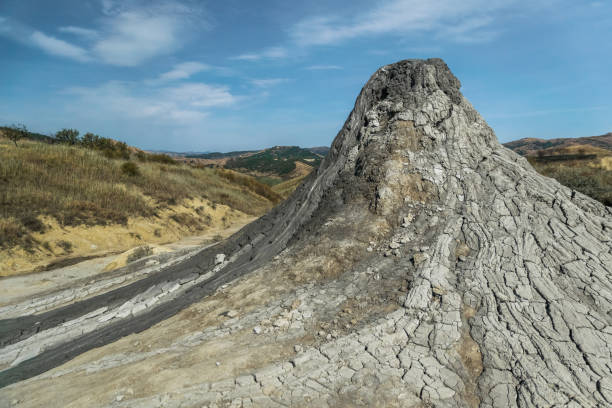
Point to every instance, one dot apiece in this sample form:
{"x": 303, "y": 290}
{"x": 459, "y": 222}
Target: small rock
{"x": 369, "y": 249}
{"x": 217, "y": 364}
{"x": 438, "y": 291}
{"x": 394, "y": 245}
{"x": 396, "y": 252}
{"x": 14, "y": 402}
{"x": 419, "y": 258}
{"x": 328, "y": 337}
{"x": 321, "y": 333}
{"x": 298, "y": 348}
{"x": 231, "y": 313}
{"x": 280, "y": 322}
{"x": 256, "y": 329}
{"x": 219, "y": 259}
{"x": 119, "y": 398}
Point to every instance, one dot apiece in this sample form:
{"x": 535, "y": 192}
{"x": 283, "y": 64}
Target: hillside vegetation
{"x": 279, "y": 161}
{"x": 531, "y": 146}
{"x": 50, "y": 186}
{"x": 583, "y": 164}
{"x": 286, "y": 165}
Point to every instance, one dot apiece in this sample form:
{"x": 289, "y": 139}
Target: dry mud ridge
{"x": 423, "y": 264}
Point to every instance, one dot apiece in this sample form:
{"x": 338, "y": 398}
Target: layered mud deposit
{"x": 422, "y": 265}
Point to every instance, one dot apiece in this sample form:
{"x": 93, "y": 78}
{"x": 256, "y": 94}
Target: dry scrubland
{"x": 54, "y": 195}
{"x": 584, "y": 168}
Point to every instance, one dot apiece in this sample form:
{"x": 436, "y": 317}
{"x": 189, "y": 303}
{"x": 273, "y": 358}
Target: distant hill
{"x": 583, "y": 163}
{"x": 218, "y": 155}
{"x": 38, "y": 137}
{"x": 272, "y": 166}
{"x": 322, "y": 150}
{"x": 531, "y": 146}
{"x": 279, "y": 161}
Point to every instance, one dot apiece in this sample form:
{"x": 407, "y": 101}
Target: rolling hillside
{"x": 60, "y": 201}
{"x": 530, "y": 146}
{"x": 584, "y": 164}
{"x": 284, "y": 166}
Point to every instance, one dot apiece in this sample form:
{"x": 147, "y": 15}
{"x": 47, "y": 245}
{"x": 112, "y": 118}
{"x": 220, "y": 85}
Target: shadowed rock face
{"x": 503, "y": 276}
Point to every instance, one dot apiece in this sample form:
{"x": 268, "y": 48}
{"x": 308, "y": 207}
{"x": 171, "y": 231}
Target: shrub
{"x": 68, "y": 136}
{"x": 32, "y": 223}
{"x": 16, "y": 132}
{"x": 130, "y": 169}
{"x": 65, "y": 245}
{"x": 161, "y": 158}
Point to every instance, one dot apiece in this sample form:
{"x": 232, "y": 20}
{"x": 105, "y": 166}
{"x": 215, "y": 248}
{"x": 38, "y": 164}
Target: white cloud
{"x": 200, "y": 95}
{"x": 130, "y": 33}
{"x": 181, "y": 104}
{"x": 183, "y": 70}
{"x": 79, "y": 31}
{"x": 54, "y": 46}
{"x": 134, "y": 37}
{"x": 268, "y": 53}
{"x": 266, "y": 83}
{"x": 455, "y": 20}
{"x": 323, "y": 67}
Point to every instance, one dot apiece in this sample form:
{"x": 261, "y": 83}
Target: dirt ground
{"x": 23, "y": 286}
{"x": 59, "y": 246}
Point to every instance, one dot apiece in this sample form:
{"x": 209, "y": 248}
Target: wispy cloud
{"x": 183, "y": 70}
{"x": 453, "y": 20}
{"x": 54, "y": 46}
{"x": 267, "y": 83}
{"x": 130, "y": 32}
{"x": 323, "y": 67}
{"x": 79, "y": 31}
{"x": 134, "y": 32}
{"x": 268, "y": 53}
{"x": 180, "y": 104}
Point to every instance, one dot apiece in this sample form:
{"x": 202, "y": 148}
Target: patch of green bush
{"x": 130, "y": 169}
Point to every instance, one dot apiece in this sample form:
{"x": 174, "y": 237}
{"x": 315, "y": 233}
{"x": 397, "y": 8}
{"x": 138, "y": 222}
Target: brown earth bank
{"x": 60, "y": 203}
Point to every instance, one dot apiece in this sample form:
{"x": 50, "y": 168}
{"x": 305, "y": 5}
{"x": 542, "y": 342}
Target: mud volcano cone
{"x": 423, "y": 264}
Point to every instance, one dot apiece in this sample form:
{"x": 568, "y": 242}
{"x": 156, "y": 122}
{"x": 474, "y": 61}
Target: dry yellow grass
{"x": 287, "y": 187}
{"x": 66, "y": 190}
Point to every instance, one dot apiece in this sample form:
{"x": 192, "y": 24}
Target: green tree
{"x": 69, "y": 136}
{"x": 16, "y": 132}
{"x": 90, "y": 140}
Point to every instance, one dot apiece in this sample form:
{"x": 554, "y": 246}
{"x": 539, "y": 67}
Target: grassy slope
{"x": 582, "y": 167}
{"x": 278, "y": 162}
{"x": 287, "y": 187}
{"x": 530, "y": 146}
{"x": 76, "y": 186}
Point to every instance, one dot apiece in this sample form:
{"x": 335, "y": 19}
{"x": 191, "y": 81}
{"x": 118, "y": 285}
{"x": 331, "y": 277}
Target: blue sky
{"x": 223, "y": 75}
